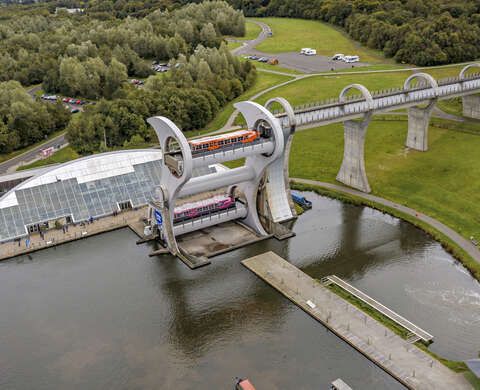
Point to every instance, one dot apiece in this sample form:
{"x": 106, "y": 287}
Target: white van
{"x": 350, "y": 59}
{"x": 308, "y": 51}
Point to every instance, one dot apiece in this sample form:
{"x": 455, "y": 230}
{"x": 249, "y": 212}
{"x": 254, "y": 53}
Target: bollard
{"x": 389, "y": 356}
{"x": 413, "y": 374}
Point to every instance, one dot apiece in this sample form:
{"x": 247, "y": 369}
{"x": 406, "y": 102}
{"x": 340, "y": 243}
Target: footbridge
{"x": 419, "y": 95}
{"x": 258, "y": 191}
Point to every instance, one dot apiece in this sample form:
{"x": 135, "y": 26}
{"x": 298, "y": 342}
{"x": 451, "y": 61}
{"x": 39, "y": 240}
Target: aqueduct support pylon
{"x": 470, "y": 103}
{"x": 352, "y": 171}
{"x": 419, "y": 117}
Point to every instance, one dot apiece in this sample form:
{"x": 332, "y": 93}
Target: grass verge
{"x": 63, "y": 155}
{"x": 8, "y": 156}
{"x": 375, "y": 314}
{"x": 441, "y": 183}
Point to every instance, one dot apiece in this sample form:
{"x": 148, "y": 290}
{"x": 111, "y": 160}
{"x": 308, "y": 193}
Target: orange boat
{"x": 223, "y": 140}
{"x": 243, "y": 384}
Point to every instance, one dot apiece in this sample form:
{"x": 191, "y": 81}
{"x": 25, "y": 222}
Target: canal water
{"x": 100, "y": 314}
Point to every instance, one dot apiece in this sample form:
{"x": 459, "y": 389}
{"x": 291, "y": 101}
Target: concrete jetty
{"x": 408, "y": 364}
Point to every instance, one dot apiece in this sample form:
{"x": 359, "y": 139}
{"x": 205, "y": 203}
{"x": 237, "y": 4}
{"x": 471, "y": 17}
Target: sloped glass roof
{"x": 89, "y": 187}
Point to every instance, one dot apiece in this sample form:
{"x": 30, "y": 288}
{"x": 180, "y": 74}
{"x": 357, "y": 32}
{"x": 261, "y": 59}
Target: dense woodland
{"x": 190, "y": 96}
{"x": 91, "y": 55}
{"x": 422, "y": 32}
{"x": 24, "y": 121}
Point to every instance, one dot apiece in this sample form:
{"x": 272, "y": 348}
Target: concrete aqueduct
{"x": 262, "y": 181}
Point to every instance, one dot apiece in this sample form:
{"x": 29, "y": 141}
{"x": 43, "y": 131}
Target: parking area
{"x": 306, "y": 63}
{"x": 73, "y": 104}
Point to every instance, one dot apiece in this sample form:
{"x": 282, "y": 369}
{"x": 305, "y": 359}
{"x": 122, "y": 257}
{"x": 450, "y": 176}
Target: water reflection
{"x": 100, "y": 314}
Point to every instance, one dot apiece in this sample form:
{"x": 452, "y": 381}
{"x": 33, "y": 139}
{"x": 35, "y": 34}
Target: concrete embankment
{"x": 404, "y": 361}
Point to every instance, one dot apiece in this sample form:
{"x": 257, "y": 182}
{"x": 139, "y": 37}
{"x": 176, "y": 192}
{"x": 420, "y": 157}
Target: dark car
{"x": 74, "y": 110}
{"x": 254, "y": 58}
{"x": 263, "y": 59}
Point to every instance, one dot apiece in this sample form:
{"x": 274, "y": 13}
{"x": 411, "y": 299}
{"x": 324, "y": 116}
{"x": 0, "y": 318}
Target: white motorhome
{"x": 350, "y": 59}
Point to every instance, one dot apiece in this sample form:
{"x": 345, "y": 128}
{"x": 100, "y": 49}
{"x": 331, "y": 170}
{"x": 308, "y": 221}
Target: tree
{"x": 115, "y": 76}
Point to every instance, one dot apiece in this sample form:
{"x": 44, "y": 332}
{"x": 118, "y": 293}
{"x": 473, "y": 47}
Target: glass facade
{"x": 80, "y": 200}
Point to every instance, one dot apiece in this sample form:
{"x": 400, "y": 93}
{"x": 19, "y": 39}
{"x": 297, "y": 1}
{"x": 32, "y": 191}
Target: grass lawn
{"x": 251, "y": 30}
{"x": 451, "y": 106}
{"x": 233, "y": 45}
{"x": 293, "y": 34}
{"x": 316, "y": 88}
{"x": 61, "y": 156}
{"x": 441, "y": 183}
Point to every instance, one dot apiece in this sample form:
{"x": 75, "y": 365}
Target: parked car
{"x": 74, "y": 110}
{"x": 263, "y": 59}
{"x": 273, "y": 61}
{"x": 49, "y": 97}
{"x": 254, "y": 58}
{"x": 338, "y": 57}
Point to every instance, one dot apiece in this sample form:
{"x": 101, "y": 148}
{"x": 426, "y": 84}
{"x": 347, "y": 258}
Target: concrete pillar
{"x": 352, "y": 172}
{"x": 418, "y": 121}
{"x": 471, "y": 106}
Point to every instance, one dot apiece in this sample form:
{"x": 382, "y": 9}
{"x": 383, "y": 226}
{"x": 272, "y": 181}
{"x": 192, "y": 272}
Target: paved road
{"x": 463, "y": 243}
{"x": 11, "y": 165}
{"x": 250, "y": 45}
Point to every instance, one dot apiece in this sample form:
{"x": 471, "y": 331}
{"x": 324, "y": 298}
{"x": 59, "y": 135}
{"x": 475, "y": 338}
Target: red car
{"x": 78, "y": 101}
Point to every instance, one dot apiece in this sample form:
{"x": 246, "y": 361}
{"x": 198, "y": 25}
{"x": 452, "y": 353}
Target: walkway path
{"x": 463, "y": 243}
{"x": 404, "y": 361}
{"x": 55, "y": 237}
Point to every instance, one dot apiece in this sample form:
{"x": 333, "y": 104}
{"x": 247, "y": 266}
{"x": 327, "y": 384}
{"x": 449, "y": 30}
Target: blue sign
{"x": 158, "y": 218}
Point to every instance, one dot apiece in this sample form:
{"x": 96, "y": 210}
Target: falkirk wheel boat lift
{"x": 240, "y": 205}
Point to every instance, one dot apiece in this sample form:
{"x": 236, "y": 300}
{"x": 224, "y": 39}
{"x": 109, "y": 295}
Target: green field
{"x": 63, "y": 155}
{"x": 251, "y": 30}
{"x": 293, "y": 34}
{"x": 440, "y": 183}
{"x": 316, "y": 88}
{"x": 233, "y": 45}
